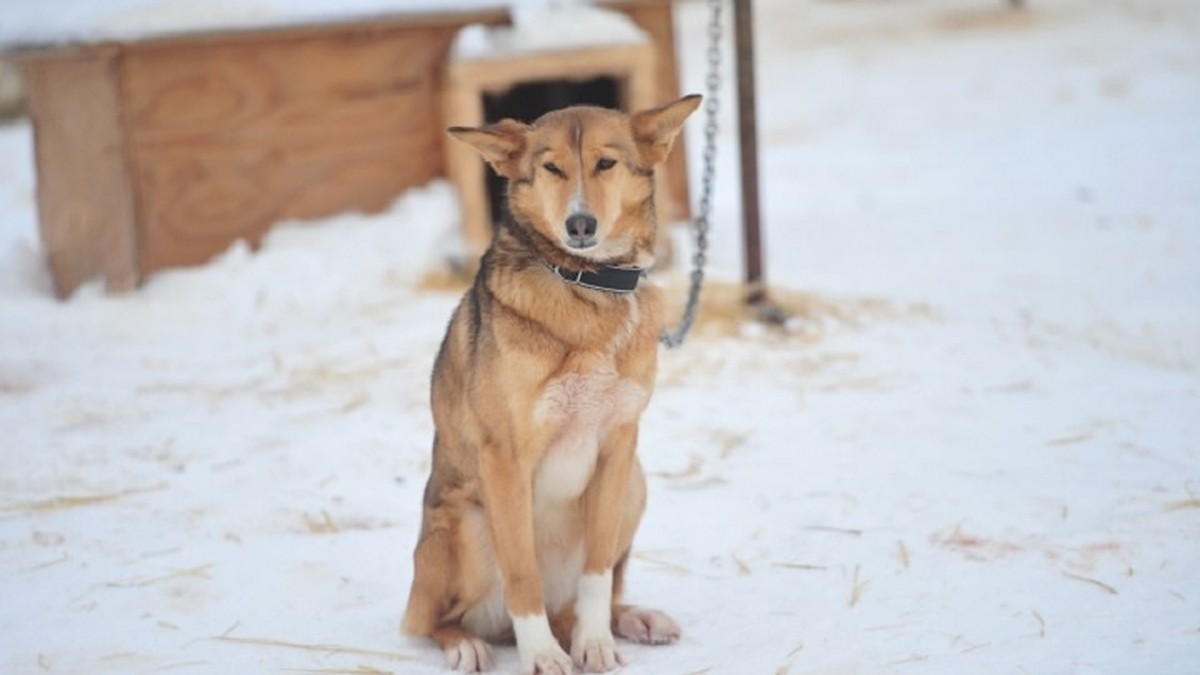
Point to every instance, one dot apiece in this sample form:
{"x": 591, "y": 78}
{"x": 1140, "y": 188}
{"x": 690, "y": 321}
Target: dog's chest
{"x": 577, "y": 411}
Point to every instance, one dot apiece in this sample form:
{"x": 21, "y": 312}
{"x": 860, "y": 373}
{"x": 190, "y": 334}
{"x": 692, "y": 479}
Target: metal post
{"x": 748, "y": 144}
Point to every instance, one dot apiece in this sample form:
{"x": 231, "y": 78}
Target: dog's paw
{"x": 470, "y": 655}
{"x": 549, "y": 661}
{"x": 646, "y": 626}
{"x": 596, "y": 654}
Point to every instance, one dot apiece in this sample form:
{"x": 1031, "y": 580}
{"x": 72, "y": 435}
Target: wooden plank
{"x": 85, "y": 201}
{"x": 657, "y": 19}
{"x": 227, "y": 141}
{"x": 463, "y": 106}
{"x": 197, "y": 199}
{"x": 323, "y": 86}
{"x": 499, "y": 74}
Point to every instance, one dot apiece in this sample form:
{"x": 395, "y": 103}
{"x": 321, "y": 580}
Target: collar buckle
{"x": 610, "y": 279}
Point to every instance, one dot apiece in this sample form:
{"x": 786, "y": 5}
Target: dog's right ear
{"x": 500, "y": 144}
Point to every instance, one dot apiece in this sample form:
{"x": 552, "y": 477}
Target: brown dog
{"x": 535, "y": 490}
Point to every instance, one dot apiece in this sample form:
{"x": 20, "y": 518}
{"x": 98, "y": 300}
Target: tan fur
{"x": 538, "y": 388}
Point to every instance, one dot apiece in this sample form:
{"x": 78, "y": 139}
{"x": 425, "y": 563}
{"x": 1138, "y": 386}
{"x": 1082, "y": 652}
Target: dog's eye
{"x": 553, "y": 168}
{"x": 605, "y": 164}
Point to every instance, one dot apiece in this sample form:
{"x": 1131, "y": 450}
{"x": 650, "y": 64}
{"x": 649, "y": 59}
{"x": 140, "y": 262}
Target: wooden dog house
{"x": 160, "y": 152}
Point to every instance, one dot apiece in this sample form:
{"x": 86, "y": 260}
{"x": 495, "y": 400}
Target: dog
{"x": 535, "y": 489}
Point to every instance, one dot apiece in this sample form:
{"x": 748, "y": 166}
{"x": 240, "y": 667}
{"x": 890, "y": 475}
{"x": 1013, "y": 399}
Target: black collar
{"x": 611, "y": 279}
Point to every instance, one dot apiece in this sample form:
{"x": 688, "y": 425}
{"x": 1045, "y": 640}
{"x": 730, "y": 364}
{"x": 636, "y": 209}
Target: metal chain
{"x": 712, "y": 83}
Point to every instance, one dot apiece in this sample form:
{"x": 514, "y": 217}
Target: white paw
{"x": 548, "y": 662}
{"x": 596, "y": 654}
{"x": 647, "y": 626}
{"x": 470, "y": 655}
{"x": 539, "y": 651}
{"x": 592, "y": 645}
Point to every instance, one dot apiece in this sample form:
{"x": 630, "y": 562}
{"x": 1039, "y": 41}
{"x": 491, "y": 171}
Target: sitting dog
{"x": 535, "y": 489}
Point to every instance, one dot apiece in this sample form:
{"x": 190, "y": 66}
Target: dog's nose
{"x": 581, "y": 226}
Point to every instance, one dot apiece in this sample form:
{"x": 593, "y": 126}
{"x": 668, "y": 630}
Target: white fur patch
{"x": 593, "y": 603}
{"x": 577, "y": 204}
{"x": 537, "y": 648}
{"x": 566, "y": 469}
{"x": 592, "y": 645}
{"x": 608, "y": 248}
{"x": 582, "y": 409}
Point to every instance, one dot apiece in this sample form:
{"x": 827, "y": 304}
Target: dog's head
{"x": 583, "y": 177}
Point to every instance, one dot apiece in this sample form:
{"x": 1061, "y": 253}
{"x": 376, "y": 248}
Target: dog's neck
{"x": 616, "y": 276}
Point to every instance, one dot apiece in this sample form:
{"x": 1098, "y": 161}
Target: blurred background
{"x": 231, "y": 235}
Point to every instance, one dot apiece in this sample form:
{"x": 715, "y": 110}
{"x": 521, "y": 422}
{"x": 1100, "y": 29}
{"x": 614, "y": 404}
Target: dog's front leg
{"x": 592, "y": 645}
{"x": 508, "y": 489}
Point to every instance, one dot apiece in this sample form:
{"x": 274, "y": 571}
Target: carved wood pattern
{"x": 228, "y": 141}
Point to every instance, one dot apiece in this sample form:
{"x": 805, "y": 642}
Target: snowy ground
{"x": 978, "y": 453}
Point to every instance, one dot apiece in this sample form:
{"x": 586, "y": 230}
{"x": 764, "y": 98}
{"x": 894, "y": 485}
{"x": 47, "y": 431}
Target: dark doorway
{"x": 529, "y": 101}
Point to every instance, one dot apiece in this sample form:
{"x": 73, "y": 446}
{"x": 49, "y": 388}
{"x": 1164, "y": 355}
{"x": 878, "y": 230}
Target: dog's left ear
{"x": 655, "y": 129}
{"x": 500, "y": 144}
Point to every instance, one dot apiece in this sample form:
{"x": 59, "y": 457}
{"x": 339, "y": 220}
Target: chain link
{"x": 712, "y": 84}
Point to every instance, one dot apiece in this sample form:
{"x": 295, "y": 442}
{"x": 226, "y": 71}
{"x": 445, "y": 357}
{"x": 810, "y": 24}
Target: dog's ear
{"x": 654, "y": 130}
{"x": 500, "y": 143}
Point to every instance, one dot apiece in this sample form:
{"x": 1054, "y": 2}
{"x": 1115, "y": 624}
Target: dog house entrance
{"x": 527, "y": 101}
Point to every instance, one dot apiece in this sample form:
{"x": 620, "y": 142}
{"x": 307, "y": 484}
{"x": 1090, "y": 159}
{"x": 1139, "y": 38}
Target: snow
{"x": 51, "y": 22}
{"x": 976, "y": 453}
